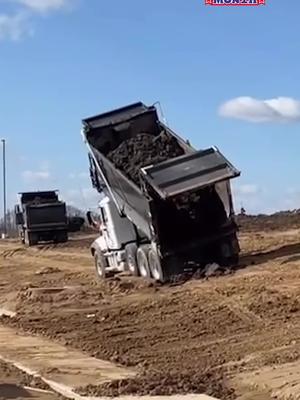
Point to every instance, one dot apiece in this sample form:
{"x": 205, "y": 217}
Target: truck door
{"x": 19, "y": 216}
{"x": 107, "y": 228}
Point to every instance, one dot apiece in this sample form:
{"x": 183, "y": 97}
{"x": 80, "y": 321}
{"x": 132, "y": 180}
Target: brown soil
{"x": 143, "y": 150}
{"x": 8, "y": 370}
{"x": 279, "y": 221}
{"x": 191, "y": 337}
{"x": 167, "y": 384}
{"x": 14, "y": 384}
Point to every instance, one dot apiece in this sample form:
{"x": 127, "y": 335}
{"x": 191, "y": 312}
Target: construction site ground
{"x": 233, "y": 336}
{"x": 15, "y": 384}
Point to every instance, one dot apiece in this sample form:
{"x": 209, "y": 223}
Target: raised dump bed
{"x": 178, "y": 199}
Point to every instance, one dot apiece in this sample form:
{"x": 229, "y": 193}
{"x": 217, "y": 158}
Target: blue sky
{"x": 225, "y": 76}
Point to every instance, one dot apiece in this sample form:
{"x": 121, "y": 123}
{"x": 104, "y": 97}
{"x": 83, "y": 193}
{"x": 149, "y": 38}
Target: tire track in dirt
{"x": 70, "y": 261}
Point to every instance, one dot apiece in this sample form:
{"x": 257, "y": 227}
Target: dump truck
{"x": 41, "y": 217}
{"x": 165, "y": 207}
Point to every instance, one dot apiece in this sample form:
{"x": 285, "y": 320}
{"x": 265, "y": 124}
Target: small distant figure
{"x": 243, "y": 211}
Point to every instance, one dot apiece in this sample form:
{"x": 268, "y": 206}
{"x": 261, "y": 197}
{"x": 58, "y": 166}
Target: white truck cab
{"x": 116, "y": 232}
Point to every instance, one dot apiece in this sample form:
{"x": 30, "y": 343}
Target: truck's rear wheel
{"x": 31, "y": 239}
{"x": 61, "y": 237}
{"x": 142, "y": 262}
{"x": 155, "y": 267}
{"x": 26, "y": 239}
{"x": 22, "y": 236}
{"x": 131, "y": 261}
{"x": 100, "y": 265}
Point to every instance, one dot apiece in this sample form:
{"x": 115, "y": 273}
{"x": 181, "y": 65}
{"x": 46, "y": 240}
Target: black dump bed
{"x": 136, "y": 158}
{"x": 43, "y": 209}
{"x": 51, "y": 215}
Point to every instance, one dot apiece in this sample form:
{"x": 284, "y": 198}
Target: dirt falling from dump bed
{"x": 142, "y": 150}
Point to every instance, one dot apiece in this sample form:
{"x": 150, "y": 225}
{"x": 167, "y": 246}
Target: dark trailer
{"x": 41, "y": 216}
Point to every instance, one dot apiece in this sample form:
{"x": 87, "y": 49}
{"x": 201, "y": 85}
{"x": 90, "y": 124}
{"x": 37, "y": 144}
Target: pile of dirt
{"x": 142, "y": 150}
{"x": 164, "y": 384}
{"x": 279, "y": 221}
{"x": 48, "y": 271}
{"x": 81, "y": 291}
{"x": 76, "y": 241}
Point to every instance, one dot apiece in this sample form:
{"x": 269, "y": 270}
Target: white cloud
{"x": 19, "y": 24}
{"x": 14, "y": 27}
{"x": 292, "y": 198}
{"x": 35, "y": 176}
{"x": 248, "y": 189}
{"x": 86, "y": 198}
{"x": 264, "y": 200}
{"x": 43, "y": 6}
{"x": 250, "y": 196}
{"x": 81, "y": 175}
{"x": 281, "y": 109}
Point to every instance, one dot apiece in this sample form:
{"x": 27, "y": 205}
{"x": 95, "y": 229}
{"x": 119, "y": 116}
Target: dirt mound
{"x": 47, "y": 271}
{"x": 279, "y": 221}
{"x": 75, "y": 242}
{"x": 81, "y": 291}
{"x": 164, "y": 384}
{"x": 142, "y": 150}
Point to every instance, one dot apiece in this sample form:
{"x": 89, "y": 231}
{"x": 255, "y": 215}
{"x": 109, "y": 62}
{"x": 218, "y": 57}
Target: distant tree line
{"x": 12, "y": 230}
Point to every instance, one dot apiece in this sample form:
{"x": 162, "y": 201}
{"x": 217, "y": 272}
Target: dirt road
{"x": 201, "y": 336}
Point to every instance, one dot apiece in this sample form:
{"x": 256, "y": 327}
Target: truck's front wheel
{"x": 100, "y": 265}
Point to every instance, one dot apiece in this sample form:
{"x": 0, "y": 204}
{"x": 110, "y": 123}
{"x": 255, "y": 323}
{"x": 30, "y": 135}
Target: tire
{"x": 142, "y": 262}
{"x": 157, "y": 272}
{"x": 22, "y": 236}
{"x": 100, "y": 265}
{"x": 131, "y": 261}
{"x": 62, "y": 237}
{"x": 26, "y": 241}
{"x": 31, "y": 239}
{"x": 232, "y": 261}
{"x": 34, "y": 240}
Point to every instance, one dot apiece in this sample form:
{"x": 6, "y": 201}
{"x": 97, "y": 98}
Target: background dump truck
{"x": 41, "y": 216}
{"x": 165, "y": 207}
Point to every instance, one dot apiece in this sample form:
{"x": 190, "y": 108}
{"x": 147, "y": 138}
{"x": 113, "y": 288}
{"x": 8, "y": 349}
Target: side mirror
{"x": 92, "y": 222}
{"x": 90, "y": 218}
